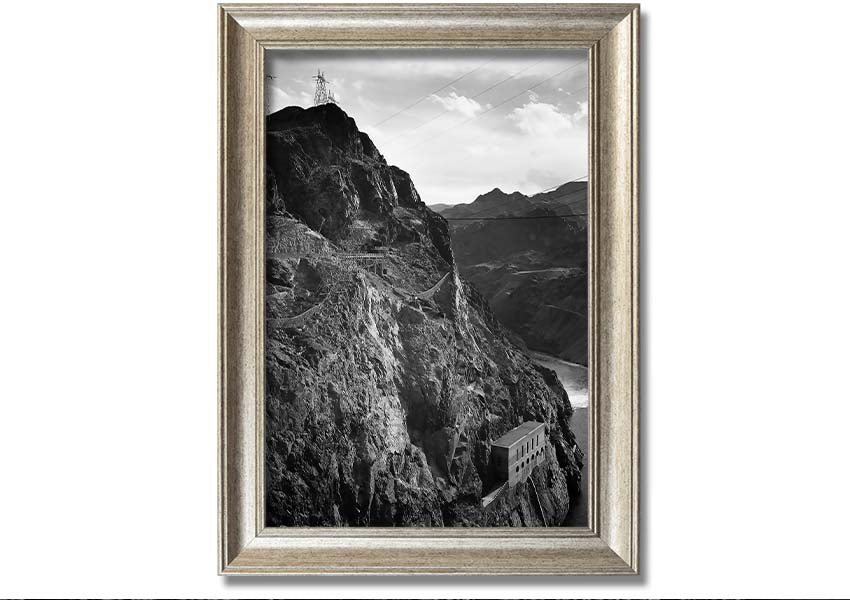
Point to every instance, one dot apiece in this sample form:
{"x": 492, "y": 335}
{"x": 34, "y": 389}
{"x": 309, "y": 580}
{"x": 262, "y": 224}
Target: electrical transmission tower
{"x": 323, "y": 95}
{"x": 270, "y": 78}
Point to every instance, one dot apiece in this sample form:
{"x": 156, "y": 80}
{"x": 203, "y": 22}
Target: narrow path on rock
{"x": 565, "y": 270}
{"x": 539, "y": 505}
{"x": 297, "y": 320}
{"x": 429, "y": 293}
{"x": 566, "y": 310}
{"x": 488, "y": 499}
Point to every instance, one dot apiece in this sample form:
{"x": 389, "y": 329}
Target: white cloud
{"x": 459, "y": 104}
{"x": 543, "y": 119}
{"x": 540, "y": 119}
{"x": 581, "y": 113}
{"x": 453, "y": 164}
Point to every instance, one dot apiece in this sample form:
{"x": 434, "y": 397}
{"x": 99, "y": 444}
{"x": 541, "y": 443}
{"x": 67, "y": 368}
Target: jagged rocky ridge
{"x": 384, "y": 390}
{"x": 532, "y": 269}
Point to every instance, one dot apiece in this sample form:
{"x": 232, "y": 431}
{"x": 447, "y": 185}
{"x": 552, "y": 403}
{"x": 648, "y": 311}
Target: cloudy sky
{"x": 461, "y": 122}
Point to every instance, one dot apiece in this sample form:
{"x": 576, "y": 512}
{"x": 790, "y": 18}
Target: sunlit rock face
{"x": 385, "y": 387}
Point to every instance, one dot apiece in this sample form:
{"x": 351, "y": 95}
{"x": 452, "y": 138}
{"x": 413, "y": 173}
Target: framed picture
{"x": 428, "y": 339}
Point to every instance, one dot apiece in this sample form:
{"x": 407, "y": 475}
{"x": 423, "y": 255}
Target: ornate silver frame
{"x": 609, "y": 545}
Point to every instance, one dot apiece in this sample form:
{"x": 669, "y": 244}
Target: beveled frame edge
{"x": 610, "y": 545}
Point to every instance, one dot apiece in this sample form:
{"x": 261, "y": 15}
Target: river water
{"x": 573, "y": 377}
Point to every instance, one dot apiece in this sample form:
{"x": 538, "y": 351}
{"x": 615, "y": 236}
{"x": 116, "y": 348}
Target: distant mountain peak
{"x": 564, "y": 198}
{"x": 496, "y": 195}
{"x": 491, "y": 195}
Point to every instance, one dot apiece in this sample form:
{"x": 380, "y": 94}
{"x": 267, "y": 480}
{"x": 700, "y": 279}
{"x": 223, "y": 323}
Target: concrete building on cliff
{"x": 516, "y": 453}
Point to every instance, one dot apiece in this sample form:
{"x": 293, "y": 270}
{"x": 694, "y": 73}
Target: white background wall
{"x": 107, "y": 307}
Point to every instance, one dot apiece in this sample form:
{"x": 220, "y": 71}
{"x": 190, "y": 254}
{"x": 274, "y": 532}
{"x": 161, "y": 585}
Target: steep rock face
{"x": 385, "y": 387}
{"x": 323, "y": 169}
{"x": 532, "y": 269}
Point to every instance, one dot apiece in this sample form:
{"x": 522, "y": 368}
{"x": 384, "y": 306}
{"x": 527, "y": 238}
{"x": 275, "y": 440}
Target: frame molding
{"x": 610, "y": 544}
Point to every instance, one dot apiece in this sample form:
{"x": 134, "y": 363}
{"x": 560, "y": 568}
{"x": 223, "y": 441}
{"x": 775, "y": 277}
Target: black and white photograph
{"x": 311, "y": 299}
{"x": 426, "y": 288}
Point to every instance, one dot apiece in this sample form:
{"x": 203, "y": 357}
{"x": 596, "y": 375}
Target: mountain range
{"x": 528, "y": 256}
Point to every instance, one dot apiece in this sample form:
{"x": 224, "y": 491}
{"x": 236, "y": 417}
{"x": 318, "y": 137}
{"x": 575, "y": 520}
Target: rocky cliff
{"x": 387, "y": 376}
{"x": 529, "y": 263}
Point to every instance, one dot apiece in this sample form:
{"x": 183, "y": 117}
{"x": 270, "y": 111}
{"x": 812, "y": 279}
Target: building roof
{"x": 516, "y": 434}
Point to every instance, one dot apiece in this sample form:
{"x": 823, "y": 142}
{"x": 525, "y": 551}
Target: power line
{"x": 528, "y": 90}
{"x": 517, "y": 217}
{"x": 574, "y": 180}
{"x": 567, "y": 195}
{"x": 478, "y": 137}
{"x": 454, "y": 127}
{"x": 555, "y": 187}
{"x": 481, "y": 93}
{"x": 392, "y": 139}
{"x": 480, "y": 115}
{"x": 451, "y": 83}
